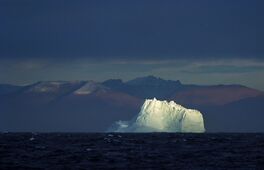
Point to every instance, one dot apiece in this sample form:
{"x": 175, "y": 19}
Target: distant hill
{"x": 7, "y": 88}
{"x": 90, "y": 106}
{"x": 245, "y": 115}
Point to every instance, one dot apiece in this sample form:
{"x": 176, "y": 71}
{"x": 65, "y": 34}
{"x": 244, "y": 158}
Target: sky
{"x": 196, "y": 42}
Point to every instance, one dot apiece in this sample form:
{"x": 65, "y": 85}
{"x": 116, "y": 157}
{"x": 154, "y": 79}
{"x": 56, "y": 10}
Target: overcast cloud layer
{"x": 131, "y": 29}
{"x": 191, "y": 71}
{"x": 203, "y": 42}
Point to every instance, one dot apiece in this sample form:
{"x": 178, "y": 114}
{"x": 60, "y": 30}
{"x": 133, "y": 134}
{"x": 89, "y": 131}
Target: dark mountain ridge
{"x": 93, "y": 106}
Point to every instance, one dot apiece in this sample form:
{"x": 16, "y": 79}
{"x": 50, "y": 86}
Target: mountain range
{"x": 89, "y": 106}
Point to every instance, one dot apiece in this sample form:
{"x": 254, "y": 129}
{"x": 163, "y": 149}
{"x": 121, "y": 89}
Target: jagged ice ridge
{"x": 162, "y": 116}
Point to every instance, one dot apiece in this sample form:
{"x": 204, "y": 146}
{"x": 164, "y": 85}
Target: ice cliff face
{"x": 162, "y": 116}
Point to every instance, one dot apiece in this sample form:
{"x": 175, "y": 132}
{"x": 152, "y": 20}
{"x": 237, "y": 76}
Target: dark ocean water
{"x": 131, "y": 151}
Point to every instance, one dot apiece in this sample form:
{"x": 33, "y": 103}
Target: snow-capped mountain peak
{"x": 52, "y": 86}
{"x": 89, "y": 87}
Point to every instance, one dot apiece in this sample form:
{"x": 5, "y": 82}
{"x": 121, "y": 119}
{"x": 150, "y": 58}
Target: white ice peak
{"x": 163, "y": 116}
{"x": 88, "y": 88}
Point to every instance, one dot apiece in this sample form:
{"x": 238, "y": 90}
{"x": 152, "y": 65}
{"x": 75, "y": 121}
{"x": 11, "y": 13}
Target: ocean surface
{"x": 131, "y": 151}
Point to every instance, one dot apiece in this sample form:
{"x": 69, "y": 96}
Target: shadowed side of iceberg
{"x": 162, "y": 116}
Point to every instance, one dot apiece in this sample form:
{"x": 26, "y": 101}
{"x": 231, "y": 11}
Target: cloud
{"x": 221, "y": 71}
{"x": 138, "y": 29}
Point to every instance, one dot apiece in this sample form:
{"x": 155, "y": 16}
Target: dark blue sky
{"x": 196, "y": 41}
{"x": 122, "y": 28}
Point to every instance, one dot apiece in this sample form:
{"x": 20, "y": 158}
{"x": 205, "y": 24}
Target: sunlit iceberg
{"x": 162, "y": 116}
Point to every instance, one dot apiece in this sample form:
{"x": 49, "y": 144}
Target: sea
{"x": 133, "y": 151}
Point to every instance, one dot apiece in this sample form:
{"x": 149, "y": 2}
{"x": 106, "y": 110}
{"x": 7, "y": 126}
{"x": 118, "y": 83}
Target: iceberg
{"x": 162, "y": 116}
